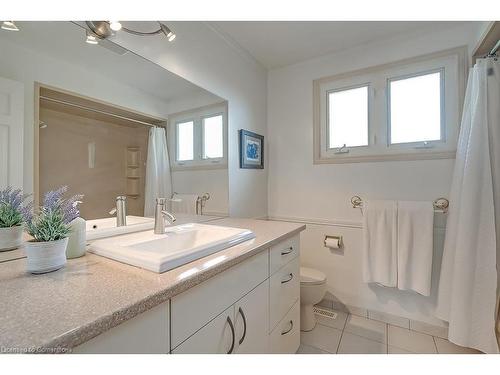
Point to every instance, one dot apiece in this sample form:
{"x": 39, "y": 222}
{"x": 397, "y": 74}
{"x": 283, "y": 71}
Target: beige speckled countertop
{"x": 92, "y": 294}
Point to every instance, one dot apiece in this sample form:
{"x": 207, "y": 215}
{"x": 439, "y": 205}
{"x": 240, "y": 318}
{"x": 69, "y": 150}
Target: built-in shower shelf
{"x": 133, "y": 172}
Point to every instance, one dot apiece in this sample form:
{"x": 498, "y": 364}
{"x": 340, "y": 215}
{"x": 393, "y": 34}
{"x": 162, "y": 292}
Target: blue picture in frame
{"x": 251, "y": 150}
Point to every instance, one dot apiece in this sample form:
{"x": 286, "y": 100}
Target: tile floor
{"x": 352, "y": 334}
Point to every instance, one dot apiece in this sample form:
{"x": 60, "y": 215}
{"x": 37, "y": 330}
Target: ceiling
{"x": 66, "y": 41}
{"x": 275, "y": 44}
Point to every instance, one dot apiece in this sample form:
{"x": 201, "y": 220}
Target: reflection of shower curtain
{"x": 468, "y": 294}
{"x": 158, "y": 178}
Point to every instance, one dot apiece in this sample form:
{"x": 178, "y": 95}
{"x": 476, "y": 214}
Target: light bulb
{"x": 91, "y": 39}
{"x": 168, "y": 33}
{"x": 115, "y": 25}
{"x": 9, "y": 26}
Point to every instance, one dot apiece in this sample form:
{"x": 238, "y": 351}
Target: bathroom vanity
{"x": 244, "y": 299}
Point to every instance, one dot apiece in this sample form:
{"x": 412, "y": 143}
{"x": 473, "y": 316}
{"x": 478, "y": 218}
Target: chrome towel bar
{"x": 440, "y": 205}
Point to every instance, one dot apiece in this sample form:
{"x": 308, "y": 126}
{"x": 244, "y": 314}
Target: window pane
{"x": 348, "y": 117}
{"x": 213, "y": 137}
{"x": 416, "y": 109}
{"x": 185, "y": 141}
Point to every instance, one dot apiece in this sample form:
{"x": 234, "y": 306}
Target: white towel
{"x": 415, "y": 246}
{"x": 184, "y": 203}
{"x": 380, "y": 242}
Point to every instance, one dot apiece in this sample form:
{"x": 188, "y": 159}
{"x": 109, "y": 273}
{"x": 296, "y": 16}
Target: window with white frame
{"x": 400, "y": 111}
{"x": 198, "y": 138}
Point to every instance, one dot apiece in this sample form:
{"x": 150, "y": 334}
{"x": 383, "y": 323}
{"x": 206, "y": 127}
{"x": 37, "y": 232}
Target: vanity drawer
{"x": 284, "y": 290}
{"x": 284, "y": 252}
{"x": 285, "y": 338}
{"x": 191, "y": 310}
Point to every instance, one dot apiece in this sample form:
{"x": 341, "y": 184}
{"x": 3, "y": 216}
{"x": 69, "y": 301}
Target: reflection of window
{"x": 213, "y": 137}
{"x": 348, "y": 117}
{"x": 185, "y": 140}
{"x": 399, "y": 111}
{"x": 198, "y": 138}
{"x": 415, "y": 108}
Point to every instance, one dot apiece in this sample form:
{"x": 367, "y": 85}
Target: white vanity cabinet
{"x": 250, "y": 308}
{"x": 242, "y": 328}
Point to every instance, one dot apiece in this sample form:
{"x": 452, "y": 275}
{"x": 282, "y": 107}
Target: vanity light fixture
{"x": 91, "y": 39}
{"x": 106, "y": 29}
{"x": 9, "y": 26}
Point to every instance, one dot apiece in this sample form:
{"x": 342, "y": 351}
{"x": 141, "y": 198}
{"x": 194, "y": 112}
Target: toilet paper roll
{"x": 333, "y": 242}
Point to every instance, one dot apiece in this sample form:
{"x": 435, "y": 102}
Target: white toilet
{"x": 312, "y": 290}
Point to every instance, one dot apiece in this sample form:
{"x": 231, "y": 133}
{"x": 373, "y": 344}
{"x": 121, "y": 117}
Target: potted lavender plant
{"x": 12, "y": 210}
{"x": 50, "y": 228}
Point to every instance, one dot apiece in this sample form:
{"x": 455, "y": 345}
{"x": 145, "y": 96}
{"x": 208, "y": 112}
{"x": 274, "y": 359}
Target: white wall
{"x": 201, "y": 56}
{"x": 212, "y": 181}
{"x": 321, "y": 193}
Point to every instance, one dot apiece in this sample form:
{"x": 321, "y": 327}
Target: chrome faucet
{"x": 120, "y": 211}
{"x": 161, "y": 214}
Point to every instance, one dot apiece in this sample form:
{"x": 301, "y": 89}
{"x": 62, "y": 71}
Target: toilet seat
{"x": 310, "y": 276}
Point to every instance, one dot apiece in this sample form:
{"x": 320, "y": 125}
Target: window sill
{"x": 202, "y": 167}
{"x": 345, "y": 158}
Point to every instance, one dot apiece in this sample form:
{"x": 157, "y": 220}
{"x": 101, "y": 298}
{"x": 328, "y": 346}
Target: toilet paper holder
{"x": 333, "y": 242}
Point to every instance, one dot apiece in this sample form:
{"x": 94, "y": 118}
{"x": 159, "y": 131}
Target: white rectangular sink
{"x": 181, "y": 244}
{"x": 101, "y": 228}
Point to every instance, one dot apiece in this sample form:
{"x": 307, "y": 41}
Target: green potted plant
{"x": 50, "y": 227}
{"x": 13, "y": 207}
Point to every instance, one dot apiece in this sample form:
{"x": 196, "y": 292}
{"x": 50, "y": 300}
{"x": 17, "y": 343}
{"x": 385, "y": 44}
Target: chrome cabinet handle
{"x": 291, "y": 327}
{"x": 232, "y": 335}
{"x": 289, "y": 279}
{"x": 287, "y": 251}
{"x": 240, "y": 310}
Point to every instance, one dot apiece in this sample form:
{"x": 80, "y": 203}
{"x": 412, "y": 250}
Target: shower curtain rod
{"x": 495, "y": 48}
{"x": 96, "y": 111}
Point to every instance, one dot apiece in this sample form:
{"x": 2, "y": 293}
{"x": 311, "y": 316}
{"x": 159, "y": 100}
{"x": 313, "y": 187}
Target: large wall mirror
{"x": 96, "y": 117}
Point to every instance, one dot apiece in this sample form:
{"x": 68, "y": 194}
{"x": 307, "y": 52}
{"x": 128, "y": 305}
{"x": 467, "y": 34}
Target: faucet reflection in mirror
{"x": 120, "y": 211}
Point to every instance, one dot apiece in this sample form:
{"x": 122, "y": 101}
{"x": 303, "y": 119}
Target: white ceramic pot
{"x": 11, "y": 238}
{"x": 46, "y": 257}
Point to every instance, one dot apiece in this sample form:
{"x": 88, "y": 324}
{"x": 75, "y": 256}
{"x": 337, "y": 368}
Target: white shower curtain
{"x": 158, "y": 178}
{"x": 468, "y": 294}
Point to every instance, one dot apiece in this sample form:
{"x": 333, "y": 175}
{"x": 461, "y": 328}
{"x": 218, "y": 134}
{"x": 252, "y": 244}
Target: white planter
{"x": 45, "y": 257}
{"x": 11, "y": 238}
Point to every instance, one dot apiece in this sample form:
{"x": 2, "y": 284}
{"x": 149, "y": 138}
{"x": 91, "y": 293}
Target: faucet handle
{"x": 113, "y": 211}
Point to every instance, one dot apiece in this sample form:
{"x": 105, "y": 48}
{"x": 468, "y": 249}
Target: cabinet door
{"x": 252, "y": 321}
{"x": 284, "y": 291}
{"x": 285, "y": 338}
{"x": 217, "y": 337}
